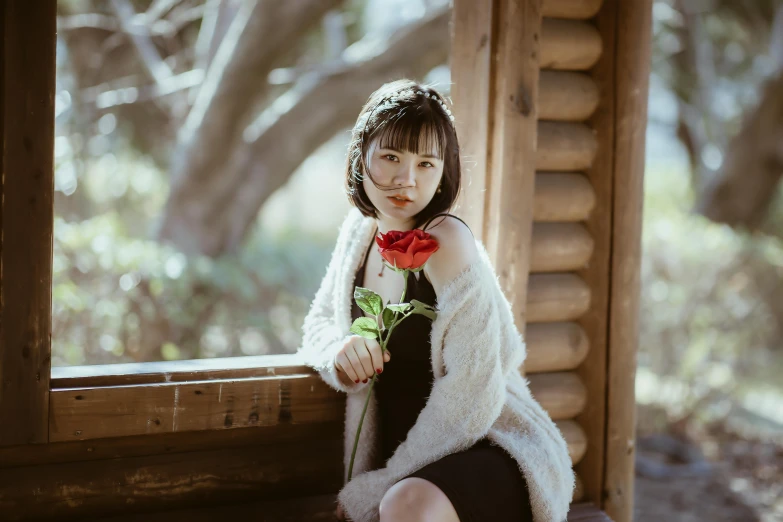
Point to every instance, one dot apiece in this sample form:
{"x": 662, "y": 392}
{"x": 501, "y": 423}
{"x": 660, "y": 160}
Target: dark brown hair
{"x": 399, "y": 115}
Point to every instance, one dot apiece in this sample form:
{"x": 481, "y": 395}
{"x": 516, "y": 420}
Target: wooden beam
{"x": 557, "y": 297}
{"x": 470, "y": 56}
{"x": 565, "y": 147}
{"x": 596, "y": 274}
{"x": 570, "y": 45}
{"x": 575, "y": 438}
{"x": 97, "y": 476}
{"x": 563, "y": 197}
{"x": 554, "y": 347}
{"x": 89, "y": 413}
{"x": 632, "y": 72}
{"x": 575, "y": 9}
{"x": 26, "y": 219}
{"x": 561, "y": 394}
{"x": 78, "y": 451}
{"x": 97, "y": 375}
{"x": 566, "y": 96}
{"x": 174, "y": 480}
{"x": 560, "y": 247}
{"x": 512, "y": 164}
{"x": 315, "y": 508}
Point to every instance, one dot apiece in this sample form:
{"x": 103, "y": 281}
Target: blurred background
{"x": 200, "y": 164}
{"x": 200, "y": 149}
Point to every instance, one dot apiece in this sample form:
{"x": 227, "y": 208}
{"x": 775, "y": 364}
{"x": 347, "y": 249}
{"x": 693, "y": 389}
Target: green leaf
{"x": 402, "y": 307}
{"x": 367, "y": 327}
{"x": 368, "y": 300}
{"x": 388, "y": 317}
{"x": 423, "y": 309}
{"x": 418, "y": 304}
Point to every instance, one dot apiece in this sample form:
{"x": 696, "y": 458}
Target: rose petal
{"x": 402, "y": 259}
{"x": 408, "y": 249}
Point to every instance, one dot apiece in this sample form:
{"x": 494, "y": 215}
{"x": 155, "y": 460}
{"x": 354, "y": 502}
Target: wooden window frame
{"x": 82, "y": 403}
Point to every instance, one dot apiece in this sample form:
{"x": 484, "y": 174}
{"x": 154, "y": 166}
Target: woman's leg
{"x": 416, "y": 500}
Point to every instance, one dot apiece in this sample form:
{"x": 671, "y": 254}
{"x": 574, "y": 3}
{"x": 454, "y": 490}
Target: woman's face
{"x": 404, "y": 174}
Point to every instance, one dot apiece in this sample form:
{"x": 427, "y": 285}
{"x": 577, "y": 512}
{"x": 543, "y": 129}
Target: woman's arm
{"x": 321, "y": 338}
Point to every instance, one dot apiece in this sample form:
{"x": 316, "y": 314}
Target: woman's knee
{"x": 415, "y": 499}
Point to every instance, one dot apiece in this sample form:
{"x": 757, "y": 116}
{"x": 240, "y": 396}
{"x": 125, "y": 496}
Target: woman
{"x": 451, "y": 432}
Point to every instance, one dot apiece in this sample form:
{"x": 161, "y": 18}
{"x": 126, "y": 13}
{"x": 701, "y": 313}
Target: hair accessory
{"x": 440, "y": 102}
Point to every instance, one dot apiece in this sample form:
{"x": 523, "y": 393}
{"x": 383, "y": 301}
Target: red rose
{"x": 408, "y": 250}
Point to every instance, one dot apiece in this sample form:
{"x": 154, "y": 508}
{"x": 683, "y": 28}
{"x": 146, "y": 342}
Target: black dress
{"x": 482, "y": 482}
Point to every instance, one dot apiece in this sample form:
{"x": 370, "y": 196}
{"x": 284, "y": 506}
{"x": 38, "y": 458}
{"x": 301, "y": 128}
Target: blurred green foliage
{"x": 119, "y": 296}
{"x": 709, "y": 294}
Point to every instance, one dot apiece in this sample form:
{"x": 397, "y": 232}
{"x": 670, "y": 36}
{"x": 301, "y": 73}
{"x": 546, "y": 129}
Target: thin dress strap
{"x": 427, "y": 223}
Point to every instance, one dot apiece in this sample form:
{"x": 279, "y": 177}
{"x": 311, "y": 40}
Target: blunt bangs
{"x": 405, "y": 130}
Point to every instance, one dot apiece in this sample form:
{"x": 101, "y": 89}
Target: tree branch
{"x": 256, "y": 168}
{"x": 158, "y": 10}
{"x": 140, "y": 36}
{"x": 236, "y": 80}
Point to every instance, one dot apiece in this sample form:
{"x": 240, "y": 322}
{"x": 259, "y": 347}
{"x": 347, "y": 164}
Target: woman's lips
{"x": 400, "y": 202}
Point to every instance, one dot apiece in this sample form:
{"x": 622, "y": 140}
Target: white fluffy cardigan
{"x": 478, "y": 391}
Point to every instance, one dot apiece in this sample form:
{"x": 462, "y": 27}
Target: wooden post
{"x": 508, "y": 219}
{"x": 469, "y": 61}
{"x": 26, "y": 217}
{"x": 495, "y": 72}
{"x": 597, "y": 272}
{"x": 632, "y": 72}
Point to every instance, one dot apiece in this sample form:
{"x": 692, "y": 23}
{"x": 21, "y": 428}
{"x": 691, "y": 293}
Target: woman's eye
{"x": 428, "y": 163}
{"x": 390, "y": 156}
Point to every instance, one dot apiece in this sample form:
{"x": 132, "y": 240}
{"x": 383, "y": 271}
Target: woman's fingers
{"x": 365, "y": 360}
{"x": 356, "y": 365}
{"x": 376, "y": 355}
{"x": 360, "y": 358}
{"x": 345, "y": 365}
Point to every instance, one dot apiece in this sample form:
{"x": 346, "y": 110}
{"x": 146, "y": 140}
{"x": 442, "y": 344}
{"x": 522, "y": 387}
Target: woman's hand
{"x": 360, "y": 358}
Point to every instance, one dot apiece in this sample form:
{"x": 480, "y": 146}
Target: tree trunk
{"x": 227, "y": 171}
{"x": 741, "y": 193}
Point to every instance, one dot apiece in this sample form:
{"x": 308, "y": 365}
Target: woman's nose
{"x": 406, "y": 174}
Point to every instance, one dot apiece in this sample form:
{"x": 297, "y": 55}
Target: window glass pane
{"x": 200, "y": 165}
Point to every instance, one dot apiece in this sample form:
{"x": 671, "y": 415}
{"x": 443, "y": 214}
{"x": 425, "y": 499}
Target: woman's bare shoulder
{"x": 456, "y": 252}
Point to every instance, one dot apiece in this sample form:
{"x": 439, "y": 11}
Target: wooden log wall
{"x": 582, "y": 292}
{"x": 559, "y": 293}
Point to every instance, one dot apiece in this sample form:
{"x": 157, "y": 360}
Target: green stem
{"x": 384, "y": 342}
{"x": 359, "y": 429}
{"x": 397, "y": 321}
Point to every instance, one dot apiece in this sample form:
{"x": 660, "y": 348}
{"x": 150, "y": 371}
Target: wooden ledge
{"x": 100, "y": 375}
{"x": 310, "y": 509}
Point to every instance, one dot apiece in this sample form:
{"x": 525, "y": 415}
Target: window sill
{"x": 176, "y": 371}
{"x": 90, "y": 402}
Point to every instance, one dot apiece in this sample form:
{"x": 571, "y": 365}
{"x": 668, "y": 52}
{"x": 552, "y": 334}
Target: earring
{"x": 438, "y": 191}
